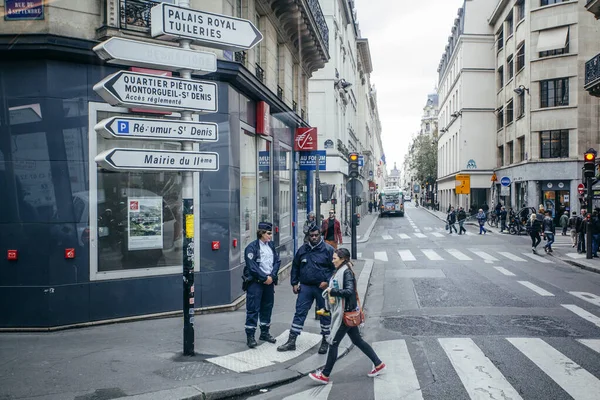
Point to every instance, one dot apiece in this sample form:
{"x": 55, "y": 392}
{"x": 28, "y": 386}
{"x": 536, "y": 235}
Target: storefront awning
{"x": 552, "y": 39}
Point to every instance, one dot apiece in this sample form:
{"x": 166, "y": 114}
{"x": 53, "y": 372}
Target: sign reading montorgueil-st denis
{"x": 123, "y": 159}
{"x": 134, "y": 89}
{"x": 212, "y": 30}
{"x": 157, "y": 129}
{"x": 134, "y": 53}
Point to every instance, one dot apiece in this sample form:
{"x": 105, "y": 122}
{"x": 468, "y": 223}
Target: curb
{"x": 365, "y": 238}
{"x": 579, "y": 265}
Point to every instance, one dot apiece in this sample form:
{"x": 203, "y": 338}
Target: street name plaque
{"x": 134, "y": 89}
{"x": 157, "y": 129}
{"x": 125, "y": 159}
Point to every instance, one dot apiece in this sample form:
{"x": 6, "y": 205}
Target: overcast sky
{"x": 407, "y": 39}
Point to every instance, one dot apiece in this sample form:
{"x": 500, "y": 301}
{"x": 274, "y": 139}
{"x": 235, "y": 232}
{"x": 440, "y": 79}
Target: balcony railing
{"x": 592, "y": 76}
{"x": 315, "y": 9}
{"x": 260, "y": 73}
{"x": 240, "y": 56}
{"x": 134, "y": 15}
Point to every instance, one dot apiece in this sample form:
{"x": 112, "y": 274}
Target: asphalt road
{"x": 467, "y": 317}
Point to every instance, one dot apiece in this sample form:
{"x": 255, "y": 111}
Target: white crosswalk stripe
{"x": 386, "y": 237}
{"x": 583, "y": 313}
{"x": 511, "y": 256}
{"x": 403, "y": 236}
{"x": 420, "y": 235}
{"x": 538, "y": 258}
{"x": 406, "y": 255}
{"x": 437, "y": 234}
{"x": 593, "y": 344}
{"x": 400, "y": 380}
{"x": 432, "y": 255}
{"x": 380, "y": 255}
{"x": 458, "y": 255}
{"x": 484, "y": 255}
{"x": 535, "y": 288}
{"x": 504, "y": 271}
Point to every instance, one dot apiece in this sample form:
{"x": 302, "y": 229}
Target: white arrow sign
{"x": 150, "y": 55}
{"x": 134, "y": 89}
{"x": 158, "y": 129}
{"x": 157, "y": 160}
{"x": 212, "y": 30}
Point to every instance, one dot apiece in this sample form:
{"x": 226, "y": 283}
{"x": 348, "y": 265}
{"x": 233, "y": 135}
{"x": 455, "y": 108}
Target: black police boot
{"x": 266, "y": 336}
{"x": 250, "y": 341}
{"x": 290, "y": 344}
{"x": 324, "y": 346}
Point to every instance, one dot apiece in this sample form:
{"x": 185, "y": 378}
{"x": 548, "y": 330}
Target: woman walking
{"x": 481, "y": 218}
{"x": 343, "y": 297}
{"x": 534, "y": 227}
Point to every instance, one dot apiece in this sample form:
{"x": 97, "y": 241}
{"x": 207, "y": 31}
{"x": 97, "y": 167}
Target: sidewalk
{"x": 363, "y": 231}
{"x": 143, "y": 361}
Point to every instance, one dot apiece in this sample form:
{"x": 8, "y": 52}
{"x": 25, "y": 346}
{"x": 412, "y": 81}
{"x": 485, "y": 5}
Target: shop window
{"x": 285, "y": 192}
{"x": 265, "y": 184}
{"x": 554, "y": 144}
{"x": 554, "y": 92}
{"x": 248, "y": 193}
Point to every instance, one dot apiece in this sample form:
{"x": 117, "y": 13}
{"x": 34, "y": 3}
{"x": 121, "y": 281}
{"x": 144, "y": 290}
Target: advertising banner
{"x": 145, "y": 223}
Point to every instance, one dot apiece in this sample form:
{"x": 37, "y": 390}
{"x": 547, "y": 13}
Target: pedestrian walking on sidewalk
{"x": 581, "y": 232}
{"x": 332, "y": 230}
{"x": 260, "y": 278}
{"x": 573, "y": 228}
{"x": 502, "y": 215}
{"x": 461, "y": 216}
{"x": 342, "y": 289}
{"x": 481, "y": 218}
{"x": 549, "y": 231}
{"x": 533, "y": 227}
{"x": 310, "y": 220}
{"x": 311, "y": 270}
{"x": 564, "y": 222}
{"x": 595, "y": 227}
{"x": 451, "y": 220}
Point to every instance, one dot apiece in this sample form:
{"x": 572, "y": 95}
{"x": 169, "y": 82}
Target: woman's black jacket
{"x": 347, "y": 291}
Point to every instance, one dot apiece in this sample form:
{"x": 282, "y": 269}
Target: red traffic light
{"x": 589, "y": 157}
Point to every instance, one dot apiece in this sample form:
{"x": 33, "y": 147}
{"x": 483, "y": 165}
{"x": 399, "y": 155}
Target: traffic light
{"x": 353, "y": 165}
{"x": 589, "y": 164}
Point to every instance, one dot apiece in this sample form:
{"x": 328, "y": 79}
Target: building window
{"x": 510, "y": 149}
{"x": 521, "y": 147}
{"x": 500, "y": 39}
{"x": 238, "y": 8}
{"x": 521, "y": 104}
{"x": 554, "y": 144}
{"x": 548, "y": 2}
{"x": 500, "y": 77}
{"x": 500, "y": 156}
{"x": 500, "y": 118}
{"x": 554, "y": 92}
{"x": 556, "y": 52}
{"x": 510, "y": 70}
{"x": 521, "y": 57}
{"x": 509, "y": 112}
{"x": 509, "y": 24}
{"x": 520, "y": 6}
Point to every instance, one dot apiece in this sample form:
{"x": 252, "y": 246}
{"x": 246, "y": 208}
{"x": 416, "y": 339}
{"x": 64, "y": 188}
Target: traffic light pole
{"x": 317, "y": 194}
{"x": 588, "y": 226}
{"x": 353, "y": 209}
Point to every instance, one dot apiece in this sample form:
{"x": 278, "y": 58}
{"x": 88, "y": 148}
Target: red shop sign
{"x": 305, "y": 139}
{"x": 263, "y": 118}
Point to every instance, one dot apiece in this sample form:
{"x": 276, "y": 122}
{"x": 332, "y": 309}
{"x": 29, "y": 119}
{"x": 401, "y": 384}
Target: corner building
{"x": 55, "y": 197}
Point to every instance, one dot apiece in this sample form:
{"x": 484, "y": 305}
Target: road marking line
{"x": 386, "y": 237}
{"x": 583, "y": 313}
{"x": 437, "y": 234}
{"x": 478, "y": 374}
{"x": 511, "y": 256}
{"x": 589, "y": 297}
{"x": 380, "y": 255}
{"x": 593, "y": 344}
{"x": 320, "y": 392}
{"x": 469, "y": 233}
{"x": 400, "y": 380}
{"x": 459, "y": 255}
{"x": 266, "y": 354}
{"x": 535, "y": 288}
{"x": 428, "y": 228}
{"x": 537, "y": 258}
{"x": 432, "y": 255}
{"x": 403, "y": 236}
{"x": 574, "y": 380}
{"x": 359, "y": 255}
{"x": 484, "y": 255}
{"x": 420, "y": 235}
{"x": 406, "y": 255}
{"x": 505, "y": 271}
{"x": 417, "y": 230}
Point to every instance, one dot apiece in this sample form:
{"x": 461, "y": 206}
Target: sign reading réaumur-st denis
{"x": 212, "y": 30}
{"x": 123, "y": 159}
{"x": 157, "y": 129}
{"x": 133, "y": 89}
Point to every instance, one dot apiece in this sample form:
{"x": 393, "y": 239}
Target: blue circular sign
{"x": 505, "y": 181}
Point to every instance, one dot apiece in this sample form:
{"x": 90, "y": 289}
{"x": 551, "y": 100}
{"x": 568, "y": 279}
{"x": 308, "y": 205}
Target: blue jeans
{"x": 307, "y": 294}
{"x": 482, "y": 227}
{"x": 550, "y": 238}
{"x": 595, "y": 243}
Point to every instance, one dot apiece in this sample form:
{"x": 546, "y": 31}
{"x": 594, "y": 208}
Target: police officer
{"x": 260, "y": 276}
{"x": 311, "y": 269}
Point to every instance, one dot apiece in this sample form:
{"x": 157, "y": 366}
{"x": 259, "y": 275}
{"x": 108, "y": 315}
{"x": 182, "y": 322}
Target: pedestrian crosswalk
{"x": 476, "y": 367}
{"x": 422, "y": 234}
{"x": 452, "y": 254}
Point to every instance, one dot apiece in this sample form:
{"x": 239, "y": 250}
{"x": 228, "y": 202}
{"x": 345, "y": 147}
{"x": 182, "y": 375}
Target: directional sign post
{"x": 208, "y": 29}
{"x": 157, "y": 129}
{"x": 134, "y": 89}
{"x": 125, "y": 159}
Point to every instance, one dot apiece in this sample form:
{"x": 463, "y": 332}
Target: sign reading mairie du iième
{"x": 157, "y": 129}
{"x": 212, "y": 30}
{"x": 134, "y": 89}
{"x": 159, "y": 160}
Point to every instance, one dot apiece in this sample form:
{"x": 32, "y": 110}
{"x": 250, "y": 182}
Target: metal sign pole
{"x": 353, "y": 213}
{"x": 588, "y": 234}
{"x": 317, "y": 193}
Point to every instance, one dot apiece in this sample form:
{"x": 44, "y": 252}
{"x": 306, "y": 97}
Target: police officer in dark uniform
{"x": 260, "y": 278}
{"x": 311, "y": 270}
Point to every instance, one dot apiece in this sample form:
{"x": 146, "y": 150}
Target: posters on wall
{"x": 145, "y": 223}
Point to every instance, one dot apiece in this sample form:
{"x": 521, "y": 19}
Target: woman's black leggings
{"x": 535, "y": 239}
{"x": 358, "y": 341}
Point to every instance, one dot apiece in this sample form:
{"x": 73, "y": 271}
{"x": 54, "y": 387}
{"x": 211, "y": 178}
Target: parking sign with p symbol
{"x": 123, "y": 126}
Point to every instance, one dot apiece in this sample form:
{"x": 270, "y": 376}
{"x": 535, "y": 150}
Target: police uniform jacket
{"x": 348, "y": 291}
{"x": 312, "y": 265}
{"x": 252, "y": 271}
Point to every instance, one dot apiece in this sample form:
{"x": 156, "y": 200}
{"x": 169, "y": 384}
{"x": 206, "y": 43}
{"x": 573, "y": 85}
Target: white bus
{"x": 391, "y": 201}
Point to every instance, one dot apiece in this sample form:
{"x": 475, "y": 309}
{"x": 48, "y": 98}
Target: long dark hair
{"x": 344, "y": 254}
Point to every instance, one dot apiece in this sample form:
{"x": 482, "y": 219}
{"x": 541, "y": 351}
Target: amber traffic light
{"x": 589, "y": 164}
{"x": 353, "y": 165}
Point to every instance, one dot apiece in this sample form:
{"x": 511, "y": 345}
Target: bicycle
{"x": 493, "y": 219}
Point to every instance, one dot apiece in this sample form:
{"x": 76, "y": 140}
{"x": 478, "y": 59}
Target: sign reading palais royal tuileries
{"x": 208, "y": 29}
{"x": 123, "y": 159}
{"x": 157, "y": 129}
{"x": 134, "y": 89}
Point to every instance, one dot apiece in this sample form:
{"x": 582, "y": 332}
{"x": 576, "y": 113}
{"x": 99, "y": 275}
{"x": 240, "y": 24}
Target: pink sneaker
{"x": 376, "y": 371}
{"x": 318, "y": 376}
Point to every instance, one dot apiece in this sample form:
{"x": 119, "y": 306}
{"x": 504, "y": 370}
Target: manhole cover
{"x": 192, "y": 370}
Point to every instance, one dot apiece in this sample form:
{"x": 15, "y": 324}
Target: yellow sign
{"x": 463, "y": 184}
{"x": 189, "y": 226}
{"x": 494, "y": 177}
